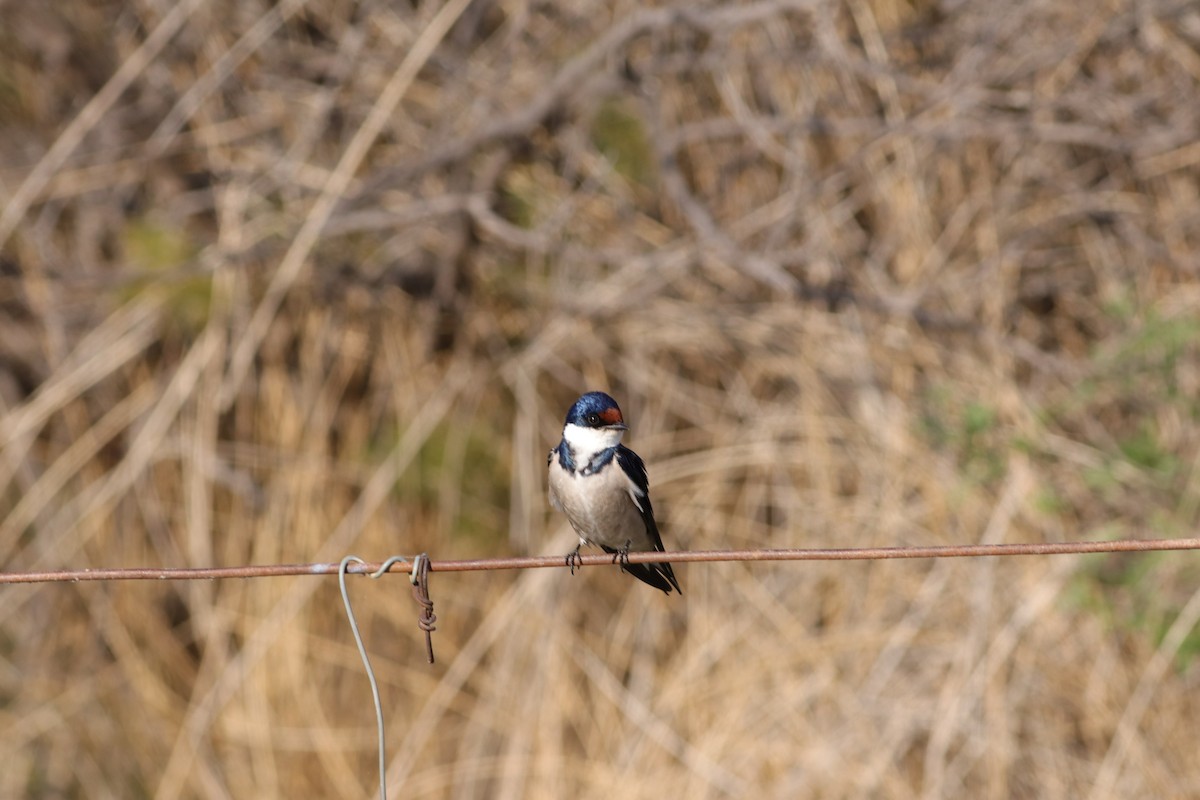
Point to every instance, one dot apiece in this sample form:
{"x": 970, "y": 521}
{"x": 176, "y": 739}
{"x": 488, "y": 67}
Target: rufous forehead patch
{"x": 611, "y": 415}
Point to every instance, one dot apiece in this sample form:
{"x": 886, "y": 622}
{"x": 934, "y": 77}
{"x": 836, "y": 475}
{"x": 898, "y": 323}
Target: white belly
{"x": 600, "y": 507}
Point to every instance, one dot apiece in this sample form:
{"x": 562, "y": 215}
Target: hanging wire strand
{"x": 342, "y": 568}
{"x": 366, "y": 660}
{"x": 405, "y": 564}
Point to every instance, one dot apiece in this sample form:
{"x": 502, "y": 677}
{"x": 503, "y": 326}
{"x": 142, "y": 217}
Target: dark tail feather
{"x": 660, "y": 575}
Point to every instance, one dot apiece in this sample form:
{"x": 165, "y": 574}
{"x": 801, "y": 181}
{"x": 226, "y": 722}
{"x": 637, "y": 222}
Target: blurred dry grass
{"x": 284, "y": 281}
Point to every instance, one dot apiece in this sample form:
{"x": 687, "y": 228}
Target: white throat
{"x": 586, "y": 442}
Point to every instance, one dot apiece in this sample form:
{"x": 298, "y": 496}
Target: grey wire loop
{"x": 387, "y": 566}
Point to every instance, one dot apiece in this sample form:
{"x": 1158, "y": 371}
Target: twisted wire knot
{"x": 427, "y": 619}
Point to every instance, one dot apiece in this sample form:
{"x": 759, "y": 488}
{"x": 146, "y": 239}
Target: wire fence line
{"x": 404, "y": 564}
{"x": 418, "y": 567}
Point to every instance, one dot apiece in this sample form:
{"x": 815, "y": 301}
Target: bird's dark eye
{"x": 593, "y": 419}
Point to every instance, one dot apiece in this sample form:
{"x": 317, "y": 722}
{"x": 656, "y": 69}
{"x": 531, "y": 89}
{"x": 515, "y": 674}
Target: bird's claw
{"x": 621, "y": 556}
{"x": 573, "y": 559}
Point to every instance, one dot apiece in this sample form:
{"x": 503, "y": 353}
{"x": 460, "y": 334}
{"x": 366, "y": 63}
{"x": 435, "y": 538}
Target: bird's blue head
{"x": 596, "y": 410}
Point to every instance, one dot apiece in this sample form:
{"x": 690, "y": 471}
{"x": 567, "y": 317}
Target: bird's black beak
{"x": 617, "y": 426}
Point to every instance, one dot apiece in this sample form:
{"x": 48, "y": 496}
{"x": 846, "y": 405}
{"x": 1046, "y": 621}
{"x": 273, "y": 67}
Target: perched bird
{"x": 601, "y": 486}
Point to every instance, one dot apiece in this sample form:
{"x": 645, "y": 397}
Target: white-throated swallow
{"x": 601, "y": 486}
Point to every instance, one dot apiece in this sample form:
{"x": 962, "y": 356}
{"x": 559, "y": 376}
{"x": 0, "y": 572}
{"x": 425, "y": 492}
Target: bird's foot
{"x": 621, "y": 556}
{"x": 573, "y": 559}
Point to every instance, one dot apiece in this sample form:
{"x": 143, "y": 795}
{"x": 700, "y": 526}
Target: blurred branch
{"x": 331, "y": 193}
{"x": 91, "y": 113}
{"x": 573, "y": 78}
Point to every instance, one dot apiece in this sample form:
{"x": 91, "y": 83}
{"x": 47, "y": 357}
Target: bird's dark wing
{"x": 660, "y": 576}
{"x": 635, "y": 468}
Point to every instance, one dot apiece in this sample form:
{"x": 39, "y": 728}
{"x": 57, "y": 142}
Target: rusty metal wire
{"x": 402, "y": 564}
